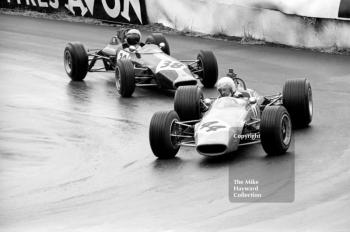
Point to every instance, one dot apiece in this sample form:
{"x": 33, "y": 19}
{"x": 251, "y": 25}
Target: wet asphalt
{"x": 74, "y": 156}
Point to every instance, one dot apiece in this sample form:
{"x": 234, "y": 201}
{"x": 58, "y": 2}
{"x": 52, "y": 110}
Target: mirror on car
{"x": 132, "y": 49}
{"x": 207, "y": 101}
{"x": 252, "y": 100}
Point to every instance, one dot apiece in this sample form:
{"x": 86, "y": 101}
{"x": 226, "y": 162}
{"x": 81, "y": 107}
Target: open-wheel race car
{"x": 221, "y": 125}
{"x": 148, "y": 64}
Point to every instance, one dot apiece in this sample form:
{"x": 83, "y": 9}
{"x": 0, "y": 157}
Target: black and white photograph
{"x": 174, "y": 116}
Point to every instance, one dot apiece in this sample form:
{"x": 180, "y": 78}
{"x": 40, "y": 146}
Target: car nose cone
{"x": 221, "y": 141}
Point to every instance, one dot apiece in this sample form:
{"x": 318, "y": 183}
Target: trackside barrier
{"x": 302, "y": 23}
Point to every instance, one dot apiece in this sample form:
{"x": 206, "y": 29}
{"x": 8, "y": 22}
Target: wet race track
{"x": 76, "y": 157}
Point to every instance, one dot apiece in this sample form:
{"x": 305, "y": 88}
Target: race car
{"x": 147, "y": 65}
{"x": 221, "y": 125}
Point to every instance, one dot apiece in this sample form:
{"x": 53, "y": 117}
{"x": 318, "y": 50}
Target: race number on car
{"x": 169, "y": 65}
{"x": 123, "y": 55}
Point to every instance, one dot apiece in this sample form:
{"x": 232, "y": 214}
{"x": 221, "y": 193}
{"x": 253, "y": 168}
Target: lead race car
{"x": 221, "y": 125}
{"x": 149, "y": 64}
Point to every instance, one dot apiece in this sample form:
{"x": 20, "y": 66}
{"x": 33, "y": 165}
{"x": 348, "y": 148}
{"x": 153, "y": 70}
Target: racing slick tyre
{"x": 297, "y": 98}
{"x": 157, "y": 39}
{"x": 163, "y": 144}
{"x": 75, "y": 61}
{"x": 187, "y": 102}
{"x": 125, "y": 78}
{"x": 207, "y": 62}
{"x": 275, "y": 130}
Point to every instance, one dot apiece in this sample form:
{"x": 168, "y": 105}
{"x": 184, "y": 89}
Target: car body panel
{"x": 222, "y": 125}
{"x": 111, "y": 49}
{"x": 168, "y": 71}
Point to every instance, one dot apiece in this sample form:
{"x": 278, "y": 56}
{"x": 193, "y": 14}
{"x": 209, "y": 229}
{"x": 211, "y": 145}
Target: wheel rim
{"x": 68, "y": 61}
{"x": 310, "y": 102}
{"x": 286, "y": 129}
{"x": 117, "y": 76}
{"x": 174, "y": 131}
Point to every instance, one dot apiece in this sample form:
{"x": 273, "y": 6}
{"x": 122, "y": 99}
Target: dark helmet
{"x": 133, "y": 37}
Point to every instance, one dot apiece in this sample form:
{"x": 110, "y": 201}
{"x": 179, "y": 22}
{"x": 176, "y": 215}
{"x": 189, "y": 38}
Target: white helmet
{"x": 226, "y": 86}
{"x": 133, "y": 36}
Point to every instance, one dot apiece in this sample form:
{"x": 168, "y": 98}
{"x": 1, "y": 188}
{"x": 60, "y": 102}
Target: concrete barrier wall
{"x": 268, "y": 20}
{"x": 308, "y": 8}
{"x": 298, "y": 23}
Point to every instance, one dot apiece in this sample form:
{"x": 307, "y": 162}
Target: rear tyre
{"x": 163, "y": 145}
{"x": 297, "y": 98}
{"x": 125, "y": 78}
{"x": 187, "y": 102}
{"x": 275, "y": 130}
{"x": 208, "y": 63}
{"x": 75, "y": 61}
{"x": 157, "y": 39}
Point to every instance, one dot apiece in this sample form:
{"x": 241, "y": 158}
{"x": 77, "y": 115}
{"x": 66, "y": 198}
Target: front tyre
{"x": 209, "y": 66}
{"x": 75, "y": 61}
{"x": 297, "y": 98}
{"x": 162, "y": 127}
{"x": 187, "y": 102}
{"x": 275, "y": 130}
{"x": 125, "y": 78}
{"x": 157, "y": 39}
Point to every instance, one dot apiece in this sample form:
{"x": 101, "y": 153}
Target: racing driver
{"x": 133, "y": 38}
{"x": 227, "y": 88}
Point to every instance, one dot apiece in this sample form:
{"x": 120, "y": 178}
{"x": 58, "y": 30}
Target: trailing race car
{"x": 148, "y": 64}
{"x": 221, "y": 125}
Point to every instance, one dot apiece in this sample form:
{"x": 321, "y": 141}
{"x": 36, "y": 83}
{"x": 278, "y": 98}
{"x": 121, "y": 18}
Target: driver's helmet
{"x": 226, "y": 87}
{"x": 133, "y": 37}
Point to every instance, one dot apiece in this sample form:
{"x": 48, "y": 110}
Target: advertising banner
{"x": 125, "y": 11}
